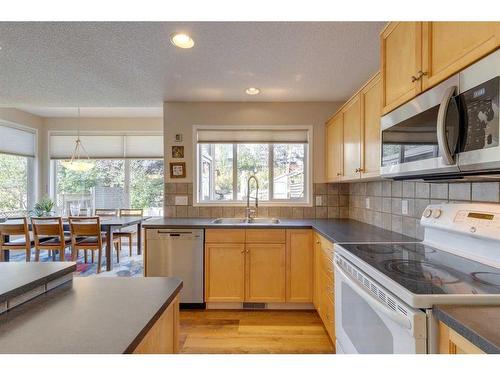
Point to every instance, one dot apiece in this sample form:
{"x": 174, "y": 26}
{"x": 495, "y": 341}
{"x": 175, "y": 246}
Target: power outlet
{"x": 367, "y": 203}
{"x": 319, "y": 200}
{"x": 181, "y": 200}
{"x": 404, "y": 207}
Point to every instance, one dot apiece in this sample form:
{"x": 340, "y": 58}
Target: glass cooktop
{"x": 426, "y": 270}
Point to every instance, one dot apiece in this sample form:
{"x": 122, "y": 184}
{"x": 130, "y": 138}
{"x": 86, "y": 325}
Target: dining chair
{"x": 130, "y": 231}
{"x": 111, "y": 212}
{"x": 86, "y": 235}
{"x": 48, "y": 233}
{"x": 18, "y": 229}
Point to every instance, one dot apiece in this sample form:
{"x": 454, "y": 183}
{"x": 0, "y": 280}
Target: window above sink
{"x": 279, "y": 157}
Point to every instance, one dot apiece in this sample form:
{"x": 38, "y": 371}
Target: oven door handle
{"x": 441, "y": 126}
{"x": 373, "y": 302}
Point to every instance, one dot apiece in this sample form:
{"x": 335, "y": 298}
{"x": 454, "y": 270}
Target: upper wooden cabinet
{"x": 416, "y": 56}
{"x": 401, "y": 44}
{"x": 448, "y": 47}
{"x": 352, "y": 138}
{"x": 334, "y": 147}
{"x": 371, "y": 96}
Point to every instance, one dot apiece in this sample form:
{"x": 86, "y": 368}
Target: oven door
{"x": 369, "y": 324}
{"x": 421, "y": 137}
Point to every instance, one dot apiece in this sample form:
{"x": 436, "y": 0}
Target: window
{"x": 127, "y": 171}
{"x": 17, "y": 152}
{"x": 280, "y": 166}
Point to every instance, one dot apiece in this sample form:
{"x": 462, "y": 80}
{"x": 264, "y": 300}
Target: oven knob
{"x": 436, "y": 213}
{"x": 473, "y": 229}
{"x": 427, "y": 212}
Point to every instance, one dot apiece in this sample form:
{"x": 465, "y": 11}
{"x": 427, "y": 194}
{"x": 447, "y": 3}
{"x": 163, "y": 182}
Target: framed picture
{"x": 177, "y": 152}
{"x": 178, "y": 170}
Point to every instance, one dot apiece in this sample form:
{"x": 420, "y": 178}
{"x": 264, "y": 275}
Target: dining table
{"x": 109, "y": 224}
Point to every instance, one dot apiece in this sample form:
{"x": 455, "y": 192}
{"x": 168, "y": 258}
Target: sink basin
{"x": 238, "y": 220}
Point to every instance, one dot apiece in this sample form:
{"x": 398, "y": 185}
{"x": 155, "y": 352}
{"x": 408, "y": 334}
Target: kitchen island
{"x": 96, "y": 315}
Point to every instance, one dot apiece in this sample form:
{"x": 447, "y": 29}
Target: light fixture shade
{"x": 77, "y": 165}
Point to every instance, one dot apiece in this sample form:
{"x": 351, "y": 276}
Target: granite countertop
{"x": 478, "y": 324}
{"x": 335, "y": 230}
{"x": 90, "y": 315}
{"x": 17, "y": 278}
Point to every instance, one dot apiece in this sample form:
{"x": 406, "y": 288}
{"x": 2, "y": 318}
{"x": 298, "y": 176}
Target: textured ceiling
{"x": 133, "y": 64}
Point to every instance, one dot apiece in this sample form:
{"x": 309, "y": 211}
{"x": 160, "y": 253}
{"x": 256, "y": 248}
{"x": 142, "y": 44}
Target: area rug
{"x": 129, "y": 266}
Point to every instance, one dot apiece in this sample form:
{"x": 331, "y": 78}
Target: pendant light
{"x": 76, "y": 163}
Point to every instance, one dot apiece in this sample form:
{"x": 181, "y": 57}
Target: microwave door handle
{"x": 441, "y": 126}
{"x": 373, "y": 302}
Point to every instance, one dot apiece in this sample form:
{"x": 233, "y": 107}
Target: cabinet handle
{"x": 419, "y": 75}
{"x": 339, "y": 174}
{"x": 242, "y": 251}
{"x": 360, "y": 170}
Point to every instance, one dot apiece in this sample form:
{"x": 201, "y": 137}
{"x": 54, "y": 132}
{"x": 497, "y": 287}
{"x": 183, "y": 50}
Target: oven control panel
{"x": 478, "y": 219}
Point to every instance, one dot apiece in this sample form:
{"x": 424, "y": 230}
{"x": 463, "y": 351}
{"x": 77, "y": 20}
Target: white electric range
{"x": 384, "y": 292}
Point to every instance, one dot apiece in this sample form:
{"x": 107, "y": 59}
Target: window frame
{"x": 308, "y": 169}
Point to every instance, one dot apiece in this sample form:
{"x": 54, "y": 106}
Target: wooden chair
{"x": 23, "y": 243}
{"x": 48, "y": 233}
{"x": 128, "y": 233}
{"x": 86, "y": 235}
{"x": 110, "y": 212}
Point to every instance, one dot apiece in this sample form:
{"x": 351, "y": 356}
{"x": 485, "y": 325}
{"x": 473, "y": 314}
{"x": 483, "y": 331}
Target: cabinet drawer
{"x": 265, "y": 236}
{"x": 225, "y": 235}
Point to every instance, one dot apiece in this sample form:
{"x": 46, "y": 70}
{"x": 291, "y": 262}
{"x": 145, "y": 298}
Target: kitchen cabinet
{"x": 260, "y": 266}
{"x": 299, "y": 265}
{"x": 265, "y": 273}
{"x": 334, "y": 147}
{"x": 224, "y": 272}
{"x": 371, "y": 96}
{"x": 401, "y": 46}
{"x": 163, "y": 337}
{"x": 418, "y": 55}
{"x": 450, "y": 342}
{"x": 352, "y": 138}
{"x": 324, "y": 283}
{"x": 448, "y": 47}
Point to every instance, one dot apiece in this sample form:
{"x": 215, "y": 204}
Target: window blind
{"x": 16, "y": 141}
{"x": 106, "y": 146}
{"x": 252, "y": 136}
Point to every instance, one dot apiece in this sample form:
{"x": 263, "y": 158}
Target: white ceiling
{"x": 133, "y": 64}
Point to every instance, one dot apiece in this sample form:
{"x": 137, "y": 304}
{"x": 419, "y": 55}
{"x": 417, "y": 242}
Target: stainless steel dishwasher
{"x": 177, "y": 253}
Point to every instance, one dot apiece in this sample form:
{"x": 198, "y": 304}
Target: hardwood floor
{"x": 240, "y": 332}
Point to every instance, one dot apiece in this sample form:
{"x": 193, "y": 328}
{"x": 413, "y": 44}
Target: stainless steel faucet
{"x": 249, "y": 213}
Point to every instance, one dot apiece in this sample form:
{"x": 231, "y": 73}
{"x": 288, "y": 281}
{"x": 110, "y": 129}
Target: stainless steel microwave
{"x": 448, "y": 132}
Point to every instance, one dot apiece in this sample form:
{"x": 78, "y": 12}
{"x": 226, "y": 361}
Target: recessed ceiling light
{"x": 252, "y": 91}
{"x": 182, "y": 40}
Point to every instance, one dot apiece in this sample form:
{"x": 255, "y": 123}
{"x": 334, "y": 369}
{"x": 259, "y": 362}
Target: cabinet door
{"x": 299, "y": 265}
{"x": 334, "y": 148}
{"x": 401, "y": 45}
{"x": 352, "y": 139}
{"x": 317, "y": 272}
{"x": 265, "y": 273}
{"x": 450, "y": 342}
{"x": 448, "y": 47}
{"x": 224, "y": 272}
{"x": 371, "y": 103}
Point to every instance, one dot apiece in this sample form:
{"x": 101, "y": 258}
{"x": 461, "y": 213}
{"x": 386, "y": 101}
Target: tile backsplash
{"x": 381, "y": 203}
{"x": 334, "y": 204}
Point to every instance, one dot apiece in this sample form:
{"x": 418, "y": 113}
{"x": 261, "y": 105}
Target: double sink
{"x": 237, "y": 220}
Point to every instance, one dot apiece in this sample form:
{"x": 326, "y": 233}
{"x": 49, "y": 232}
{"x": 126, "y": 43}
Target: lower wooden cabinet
{"x": 450, "y": 342}
{"x": 224, "y": 272}
{"x": 323, "y": 295}
{"x": 299, "y": 265}
{"x": 265, "y": 273}
{"x": 163, "y": 337}
{"x": 271, "y": 265}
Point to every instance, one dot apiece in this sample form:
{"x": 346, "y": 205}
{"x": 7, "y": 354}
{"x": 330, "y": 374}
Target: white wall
{"x": 179, "y": 117}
